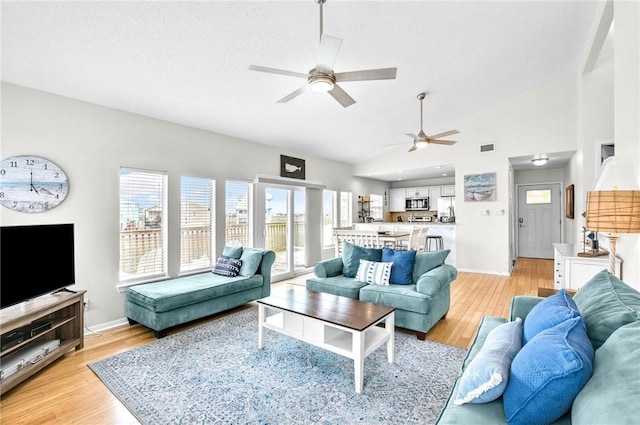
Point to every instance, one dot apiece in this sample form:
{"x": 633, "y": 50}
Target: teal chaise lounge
{"x": 420, "y": 302}
{"x": 162, "y": 305}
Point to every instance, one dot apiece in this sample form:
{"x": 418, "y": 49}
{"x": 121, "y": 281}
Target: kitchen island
{"x": 446, "y": 230}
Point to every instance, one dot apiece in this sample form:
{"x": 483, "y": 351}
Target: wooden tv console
{"x": 65, "y": 310}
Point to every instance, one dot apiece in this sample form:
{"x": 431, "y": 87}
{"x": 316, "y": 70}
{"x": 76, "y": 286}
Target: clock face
{"x": 31, "y": 184}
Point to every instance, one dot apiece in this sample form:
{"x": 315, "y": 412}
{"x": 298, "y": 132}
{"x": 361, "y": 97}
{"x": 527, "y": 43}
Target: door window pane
{"x": 346, "y": 209}
{"x": 196, "y": 219}
{"x": 328, "y": 217}
{"x": 538, "y": 196}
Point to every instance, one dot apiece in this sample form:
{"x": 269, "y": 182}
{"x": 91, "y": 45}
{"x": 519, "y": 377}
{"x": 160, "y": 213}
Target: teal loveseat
{"x": 162, "y": 305}
{"x": 611, "y": 395}
{"x": 419, "y": 304}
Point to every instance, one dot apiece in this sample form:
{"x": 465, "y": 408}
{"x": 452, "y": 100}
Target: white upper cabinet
{"x": 417, "y": 192}
{"x": 448, "y": 191}
{"x": 396, "y": 200}
{"x": 434, "y": 193}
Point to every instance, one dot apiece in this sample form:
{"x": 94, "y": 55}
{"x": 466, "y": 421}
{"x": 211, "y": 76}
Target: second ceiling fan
{"x": 322, "y": 78}
{"x": 421, "y": 140}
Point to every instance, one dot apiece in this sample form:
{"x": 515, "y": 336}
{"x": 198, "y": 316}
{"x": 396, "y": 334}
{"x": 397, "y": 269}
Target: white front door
{"x": 539, "y": 217}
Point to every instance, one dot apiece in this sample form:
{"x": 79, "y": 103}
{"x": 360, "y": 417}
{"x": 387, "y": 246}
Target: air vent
{"x": 486, "y": 148}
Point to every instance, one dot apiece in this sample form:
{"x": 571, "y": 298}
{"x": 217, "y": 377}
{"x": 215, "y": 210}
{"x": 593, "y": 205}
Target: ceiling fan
{"x": 422, "y": 140}
{"x": 322, "y": 78}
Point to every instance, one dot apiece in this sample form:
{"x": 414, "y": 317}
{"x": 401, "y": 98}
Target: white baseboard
{"x": 485, "y": 272}
{"x": 105, "y": 326}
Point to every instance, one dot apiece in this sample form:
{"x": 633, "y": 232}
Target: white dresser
{"x": 572, "y": 271}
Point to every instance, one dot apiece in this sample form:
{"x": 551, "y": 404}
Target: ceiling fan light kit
{"x": 322, "y": 78}
{"x": 421, "y": 140}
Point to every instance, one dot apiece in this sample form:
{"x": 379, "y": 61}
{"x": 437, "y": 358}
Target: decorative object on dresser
{"x": 31, "y": 184}
{"x": 613, "y": 205}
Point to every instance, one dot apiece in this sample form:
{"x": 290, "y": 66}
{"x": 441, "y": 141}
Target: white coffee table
{"x": 338, "y": 324}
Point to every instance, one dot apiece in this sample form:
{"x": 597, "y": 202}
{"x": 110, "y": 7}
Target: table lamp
{"x": 611, "y": 207}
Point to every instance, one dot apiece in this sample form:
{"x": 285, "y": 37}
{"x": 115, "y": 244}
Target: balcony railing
{"x": 195, "y": 244}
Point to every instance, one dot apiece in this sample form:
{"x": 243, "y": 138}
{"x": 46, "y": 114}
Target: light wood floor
{"x": 68, "y": 392}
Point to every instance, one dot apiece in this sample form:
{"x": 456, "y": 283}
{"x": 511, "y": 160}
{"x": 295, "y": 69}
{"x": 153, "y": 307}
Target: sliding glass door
{"x": 284, "y": 228}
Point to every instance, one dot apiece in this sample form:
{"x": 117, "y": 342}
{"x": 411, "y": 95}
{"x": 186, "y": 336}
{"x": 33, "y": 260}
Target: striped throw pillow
{"x": 226, "y": 266}
{"x": 377, "y": 273}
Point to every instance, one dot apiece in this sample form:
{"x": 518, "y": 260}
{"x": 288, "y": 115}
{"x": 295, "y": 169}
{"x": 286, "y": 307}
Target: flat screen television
{"x": 35, "y": 260}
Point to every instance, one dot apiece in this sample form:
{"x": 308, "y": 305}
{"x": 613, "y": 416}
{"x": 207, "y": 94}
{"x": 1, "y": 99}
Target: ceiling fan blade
{"x": 341, "y": 96}
{"x": 293, "y": 94}
{"x": 413, "y": 148}
{"x": 329, "y": 48}
{"x": 395, "y": 144}
{"x": 277, "y": 71}
{"x": 368, "y": 74}
{"x": 413, "y": 136}
{"x": 446, "y": 133}
{"x": 442, "y": 142}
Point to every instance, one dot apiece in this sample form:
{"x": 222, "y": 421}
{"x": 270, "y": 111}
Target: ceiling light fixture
{"x": 539, "y": 162}
{"x": 320, "y": 82}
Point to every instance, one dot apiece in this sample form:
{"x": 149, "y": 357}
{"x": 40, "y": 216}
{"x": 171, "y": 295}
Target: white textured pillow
{"x": 374, "y": 272}
{"x": 486, "y": 377}
{"x": 377, "y": 273}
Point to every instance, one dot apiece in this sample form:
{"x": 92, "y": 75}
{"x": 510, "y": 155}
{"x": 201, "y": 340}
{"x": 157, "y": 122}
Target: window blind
{"x": 237, "y": 213}
{"x": 196, "y": 223}
{"x": 143, "y": 220}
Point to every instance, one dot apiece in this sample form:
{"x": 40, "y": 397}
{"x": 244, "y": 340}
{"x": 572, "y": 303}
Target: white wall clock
{"x": 31, "y": 184}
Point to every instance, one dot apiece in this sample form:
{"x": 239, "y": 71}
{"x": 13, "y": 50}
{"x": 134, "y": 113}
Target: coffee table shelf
{"x": 295, "y": 312}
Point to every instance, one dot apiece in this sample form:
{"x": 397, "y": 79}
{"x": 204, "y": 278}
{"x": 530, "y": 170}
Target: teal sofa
{"x": 162, "y": 305}
{"x": 611, "y": 395}
{"x": 419, "y": 305}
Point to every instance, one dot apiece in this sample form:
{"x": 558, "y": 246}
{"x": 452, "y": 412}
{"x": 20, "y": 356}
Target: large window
{"x": 143, "y": 222}
{"x": 346, "y": 209}
{"x": 196, "y": 223}
{"x": 329, "y": 213}
{"x": 376, "y": 207}
{"x": 237, "y": 213}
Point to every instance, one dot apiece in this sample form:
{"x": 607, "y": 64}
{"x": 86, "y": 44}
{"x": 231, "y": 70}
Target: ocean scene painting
{"x": 480, "y": 187}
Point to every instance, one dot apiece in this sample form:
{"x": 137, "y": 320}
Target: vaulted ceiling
{"x": 187, "y": 62}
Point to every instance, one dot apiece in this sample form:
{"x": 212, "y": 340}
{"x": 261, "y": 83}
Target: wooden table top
{"x": 342, "y": 311}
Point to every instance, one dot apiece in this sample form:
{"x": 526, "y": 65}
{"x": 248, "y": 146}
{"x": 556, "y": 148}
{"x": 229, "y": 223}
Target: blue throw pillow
{"x": 251, "y": 259}
{"x": 232, "y": 251}
{"x": 402, "y": 269}
{"x": 352, "y": 254}
{"x": 226, "y": 266}
{"x": 486, "y": 377}
{"x": 548, "y": 313}
{"x": 548, "y": 373}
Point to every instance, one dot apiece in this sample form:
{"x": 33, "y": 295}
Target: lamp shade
{"x": 616, "y": 211}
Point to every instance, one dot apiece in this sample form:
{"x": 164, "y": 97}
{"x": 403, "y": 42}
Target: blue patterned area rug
{"x": 215, "y": 374}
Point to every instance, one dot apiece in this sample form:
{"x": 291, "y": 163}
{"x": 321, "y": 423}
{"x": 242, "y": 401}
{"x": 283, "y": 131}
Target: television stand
{"x": 65, "y": 311}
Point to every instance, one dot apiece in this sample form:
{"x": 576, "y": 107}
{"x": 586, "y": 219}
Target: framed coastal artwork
{"x": 480, "y": 187}
{"x": 292, "y": 167}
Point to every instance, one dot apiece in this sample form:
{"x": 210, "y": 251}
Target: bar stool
{"x": 437, "y": 241}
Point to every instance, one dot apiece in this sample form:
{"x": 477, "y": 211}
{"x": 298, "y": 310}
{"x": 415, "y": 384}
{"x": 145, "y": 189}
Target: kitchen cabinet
{"x": 396, "y": 200}
{"x": 448, "y": 190}
{"x": 417, "y": 192}
{"x": 572, "y": 271}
